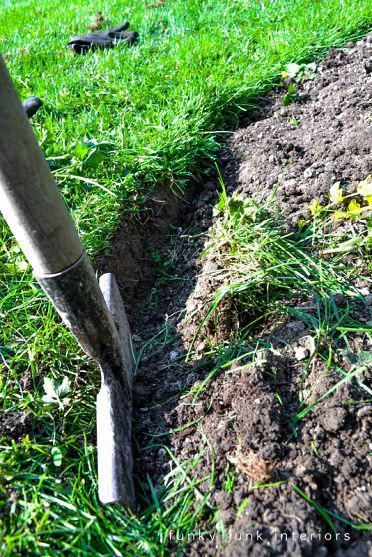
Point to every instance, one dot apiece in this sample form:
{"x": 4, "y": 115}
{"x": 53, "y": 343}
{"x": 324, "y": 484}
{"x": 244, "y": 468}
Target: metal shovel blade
{"x": 114, "y": 412}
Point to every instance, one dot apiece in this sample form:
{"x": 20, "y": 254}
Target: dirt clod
{"x": 15, "y": 424}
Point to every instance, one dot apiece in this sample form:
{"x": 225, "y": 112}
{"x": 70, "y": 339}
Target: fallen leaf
{"x": 251, "y": 465}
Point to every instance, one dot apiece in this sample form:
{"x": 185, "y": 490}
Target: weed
{"x": 262, "y": 263}
{"x": 290, "y": 96}
{"x": 300, "y": 72}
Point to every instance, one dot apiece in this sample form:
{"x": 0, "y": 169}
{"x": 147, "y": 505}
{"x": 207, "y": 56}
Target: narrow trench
{"x": 155, "y": 261}
{"x": 155, "y": 258}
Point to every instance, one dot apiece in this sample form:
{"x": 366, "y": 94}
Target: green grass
{"x": 152, "y": 114}
{"x": 47, "y": 517}
{"x": 261, "y": 264}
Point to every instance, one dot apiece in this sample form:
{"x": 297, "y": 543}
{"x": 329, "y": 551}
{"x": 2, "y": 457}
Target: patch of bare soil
{"x": 247, "y": 412}
{"x": 304, "y": 148}
{"x": 15, "y": 424}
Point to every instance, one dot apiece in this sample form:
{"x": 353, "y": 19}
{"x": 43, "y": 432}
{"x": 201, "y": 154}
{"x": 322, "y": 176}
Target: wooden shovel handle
{"x": 29, "y": 197}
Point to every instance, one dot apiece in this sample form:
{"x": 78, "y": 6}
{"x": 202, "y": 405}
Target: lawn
{"x": 114, "y": 125}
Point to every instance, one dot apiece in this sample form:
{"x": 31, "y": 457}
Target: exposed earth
{"x": 245, "y": 412}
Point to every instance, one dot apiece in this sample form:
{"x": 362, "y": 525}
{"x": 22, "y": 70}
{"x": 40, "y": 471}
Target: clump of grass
{"x": 262, "y": 263}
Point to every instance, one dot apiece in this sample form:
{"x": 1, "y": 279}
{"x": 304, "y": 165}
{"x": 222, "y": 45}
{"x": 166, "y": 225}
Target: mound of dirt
{"x": 272, "y": 479}
{"x": 249, "y": 426}
{"x": 289, "y": 153}
{"x": 300, "y": 150}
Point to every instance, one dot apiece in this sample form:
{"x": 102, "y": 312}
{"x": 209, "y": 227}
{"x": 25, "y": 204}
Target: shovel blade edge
{"x": 115, "y": 460}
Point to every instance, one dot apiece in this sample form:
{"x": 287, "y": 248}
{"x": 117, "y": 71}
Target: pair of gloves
{"x": 103, "y": 39}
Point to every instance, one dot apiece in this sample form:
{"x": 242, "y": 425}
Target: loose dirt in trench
{"x": 245, "y": 412}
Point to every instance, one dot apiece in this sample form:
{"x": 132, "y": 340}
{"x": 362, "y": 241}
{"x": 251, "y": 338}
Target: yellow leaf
{"x": 315, "y": 207}
{"x": 365, "y": 189}
{"x": 354, "y": 208}
{"x": 339, "y": 215}
{"x": 284, "y": 74}
{"x": 335, "y": 193}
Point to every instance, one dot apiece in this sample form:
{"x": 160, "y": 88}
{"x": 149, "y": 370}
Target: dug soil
{"x": 271, "y": 481}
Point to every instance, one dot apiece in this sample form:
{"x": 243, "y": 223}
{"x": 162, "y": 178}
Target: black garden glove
{"x": 103, "y": 39}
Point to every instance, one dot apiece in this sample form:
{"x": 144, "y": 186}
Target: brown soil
{"x": 246, "y": 412}
{"x": 15, "y": 424}
{"x": 302, "y": 149}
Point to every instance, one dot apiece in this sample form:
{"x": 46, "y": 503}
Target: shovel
{"x": 35, "y": 212}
